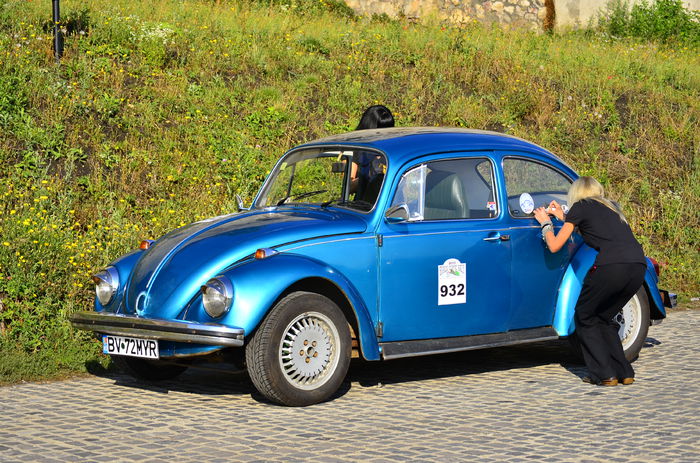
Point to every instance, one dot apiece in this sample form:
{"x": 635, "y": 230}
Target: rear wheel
{"x": 633, "y": 322}
{"x": 301, "y": 351}
{"x": 150, "y": 370}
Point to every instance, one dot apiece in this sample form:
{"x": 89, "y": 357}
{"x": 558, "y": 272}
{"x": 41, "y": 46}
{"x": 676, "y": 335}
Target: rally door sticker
{"x": 452, "y": 282}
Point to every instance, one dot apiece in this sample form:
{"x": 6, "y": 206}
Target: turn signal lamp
{"x": 264, "y": 253}
{"x": 145, "y": 244}
{"x": 657, "y": 268}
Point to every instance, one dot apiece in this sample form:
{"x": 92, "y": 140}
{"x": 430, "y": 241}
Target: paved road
{"x": 515, "y": 404}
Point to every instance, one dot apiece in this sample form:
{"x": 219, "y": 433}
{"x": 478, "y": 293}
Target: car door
{"x": 444, "y": 266}
{"x": 536, "y": 272}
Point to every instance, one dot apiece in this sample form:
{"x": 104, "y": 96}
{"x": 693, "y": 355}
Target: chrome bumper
{"x": 165, "y": 330}
{"x": 668, "y": 298}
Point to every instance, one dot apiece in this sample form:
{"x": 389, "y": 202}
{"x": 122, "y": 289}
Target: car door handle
{"x": 498, "y": 238}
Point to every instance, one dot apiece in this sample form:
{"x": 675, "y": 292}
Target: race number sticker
{"x": 452, "y": 282}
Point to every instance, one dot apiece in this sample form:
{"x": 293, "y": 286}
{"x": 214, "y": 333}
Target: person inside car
{"x": 367, "y": 170}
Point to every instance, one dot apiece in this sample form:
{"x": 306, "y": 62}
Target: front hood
{"x": 173, "y": 269}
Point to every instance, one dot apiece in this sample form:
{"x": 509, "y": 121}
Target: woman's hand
{"x": 541, "y": 215}
{"x": 556, "y": 210}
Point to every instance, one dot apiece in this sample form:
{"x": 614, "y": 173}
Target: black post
{"x": 57, "y": 34}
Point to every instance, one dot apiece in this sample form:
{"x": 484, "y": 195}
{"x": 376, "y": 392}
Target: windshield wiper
{"x": 300, "y": 196}
{"x": 360, "y": 204}
{"x": 337, "y": 201}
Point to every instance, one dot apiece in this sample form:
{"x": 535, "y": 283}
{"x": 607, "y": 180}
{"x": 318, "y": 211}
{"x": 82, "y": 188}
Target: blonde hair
{"x": 589, "y": 188}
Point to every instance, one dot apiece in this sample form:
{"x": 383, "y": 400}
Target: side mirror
{"x": 241, "y": 207}
{"x": 397, "y": 214}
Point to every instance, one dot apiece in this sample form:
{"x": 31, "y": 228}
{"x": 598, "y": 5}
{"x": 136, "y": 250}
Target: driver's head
{"x": 376, "y": 117}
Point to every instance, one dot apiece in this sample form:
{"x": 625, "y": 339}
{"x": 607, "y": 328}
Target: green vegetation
{"x": 666, "y": 21}
{"x": 161, "y": 111}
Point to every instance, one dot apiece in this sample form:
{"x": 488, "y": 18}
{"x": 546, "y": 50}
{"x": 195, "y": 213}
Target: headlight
{"x": 106, "y": 285}
{"x": 217, "y": 295}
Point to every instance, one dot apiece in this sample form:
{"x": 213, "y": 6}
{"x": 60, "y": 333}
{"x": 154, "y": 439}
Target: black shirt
{"x": 603, "y": 230}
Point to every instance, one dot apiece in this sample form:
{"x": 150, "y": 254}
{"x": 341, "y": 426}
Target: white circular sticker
{"x": 527, "y": 205}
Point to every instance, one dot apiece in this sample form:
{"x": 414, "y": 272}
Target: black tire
{"x": 632, "y": 335}
{"x": 300, "y": 353}
{"x": 149, "y": 370}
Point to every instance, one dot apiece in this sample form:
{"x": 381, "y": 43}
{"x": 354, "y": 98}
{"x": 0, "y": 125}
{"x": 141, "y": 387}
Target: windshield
{"x": 349, "y": 178}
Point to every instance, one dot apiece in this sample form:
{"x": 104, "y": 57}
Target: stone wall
{"x": 529, "y": 13}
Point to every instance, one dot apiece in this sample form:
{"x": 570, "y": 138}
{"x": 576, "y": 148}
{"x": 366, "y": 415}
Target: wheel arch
{"x": 330, "y": 290}
{"x": 283, "y": 274}
{"x": 572, "y": 282}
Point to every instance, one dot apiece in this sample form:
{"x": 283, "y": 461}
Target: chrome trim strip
{"x": 528, "y": 227}
{"x": 165, "y": 330}
{"x": 487, "y": 230}
{"x": 326, "y": 242}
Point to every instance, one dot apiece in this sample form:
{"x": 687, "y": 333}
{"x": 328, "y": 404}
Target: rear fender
{"x": 571, "y": 285}
{"x": 258, "y": 284}
{"x": 656, "y": 306}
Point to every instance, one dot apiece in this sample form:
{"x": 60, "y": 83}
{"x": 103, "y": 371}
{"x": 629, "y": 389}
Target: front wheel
{"x": 633, "y": 322}
{"x": 301, "y": 351}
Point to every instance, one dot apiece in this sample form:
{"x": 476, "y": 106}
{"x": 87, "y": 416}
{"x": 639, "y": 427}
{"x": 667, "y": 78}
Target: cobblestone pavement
{"x": 523, "y": 403}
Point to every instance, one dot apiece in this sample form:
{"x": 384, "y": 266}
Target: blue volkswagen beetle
{"x": 378, "y": 243}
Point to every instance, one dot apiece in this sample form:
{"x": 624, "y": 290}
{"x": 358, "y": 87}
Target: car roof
{"x": 404, "y": 143}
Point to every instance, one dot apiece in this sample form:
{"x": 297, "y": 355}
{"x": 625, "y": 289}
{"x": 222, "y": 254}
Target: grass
{"x": 161, "y": 111}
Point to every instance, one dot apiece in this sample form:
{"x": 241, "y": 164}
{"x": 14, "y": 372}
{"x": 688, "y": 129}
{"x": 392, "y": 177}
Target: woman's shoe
{"x": 603, "y": 382}
{"x": 626, "y": 381}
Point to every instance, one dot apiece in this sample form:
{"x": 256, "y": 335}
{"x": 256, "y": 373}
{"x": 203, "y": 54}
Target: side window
{"x": 410, "y": 192}
{"x": 451, "y": 189}
{"x": 530, "y": 185}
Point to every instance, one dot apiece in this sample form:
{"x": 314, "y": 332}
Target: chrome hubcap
{"x": 308, "y": 350}
{"x": 629, "y": 320}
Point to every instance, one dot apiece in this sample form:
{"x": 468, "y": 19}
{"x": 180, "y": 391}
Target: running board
{"x": 398, "y": 349}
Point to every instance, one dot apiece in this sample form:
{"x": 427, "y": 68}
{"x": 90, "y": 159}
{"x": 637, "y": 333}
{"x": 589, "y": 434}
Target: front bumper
{"x": 164, "y": 330}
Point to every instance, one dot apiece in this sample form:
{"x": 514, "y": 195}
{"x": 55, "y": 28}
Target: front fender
{"x": 257, "y": 284}
{"x": 572, "y": 283}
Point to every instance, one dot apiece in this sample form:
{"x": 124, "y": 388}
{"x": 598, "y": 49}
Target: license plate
{"x": 131, "y": 347}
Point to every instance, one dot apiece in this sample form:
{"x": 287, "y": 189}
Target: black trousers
{"x": 606, "y": 290}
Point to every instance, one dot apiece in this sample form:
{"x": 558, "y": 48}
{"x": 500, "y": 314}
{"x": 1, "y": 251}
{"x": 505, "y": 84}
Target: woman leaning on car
{"x": 617, "y": 274}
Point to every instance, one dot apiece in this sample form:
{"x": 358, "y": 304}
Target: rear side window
{"x": 530, "y": 185}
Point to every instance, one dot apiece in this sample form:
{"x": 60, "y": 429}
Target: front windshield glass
{"x": 348, "y": 178}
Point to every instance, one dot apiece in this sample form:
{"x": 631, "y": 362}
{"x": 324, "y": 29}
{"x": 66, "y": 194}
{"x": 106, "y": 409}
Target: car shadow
{"x": 369, "y": 374}
{"x": 227, "y": 379}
